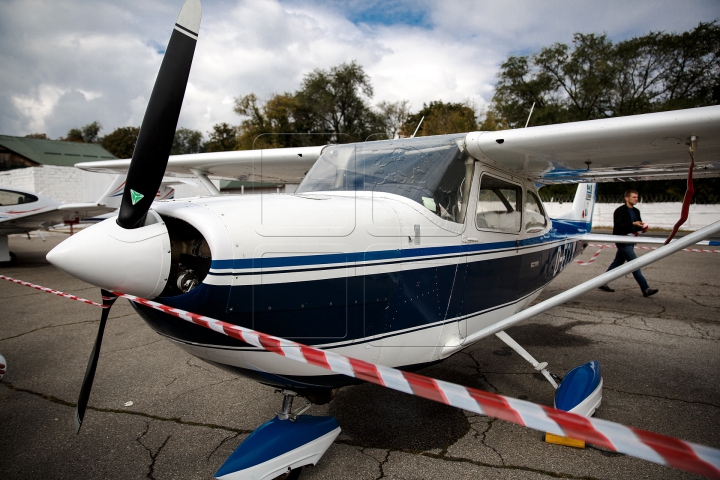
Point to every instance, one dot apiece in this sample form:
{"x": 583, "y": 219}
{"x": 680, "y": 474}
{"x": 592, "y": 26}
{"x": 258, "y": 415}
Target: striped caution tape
{"x": 593, "y": 258}
{"x": 694, "y": 250}
{"x": 609, "y": 435}
{"x": 50, "y": 290}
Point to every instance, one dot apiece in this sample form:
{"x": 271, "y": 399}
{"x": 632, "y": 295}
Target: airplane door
{"x": 491, "y": 287}
{"x": 535, "y": 265}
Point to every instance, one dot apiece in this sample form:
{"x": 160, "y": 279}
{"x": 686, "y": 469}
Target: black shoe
{"x": 650, "y": 291}
{"x": 606, "y": 288}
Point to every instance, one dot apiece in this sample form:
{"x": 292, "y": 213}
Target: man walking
{"x": 626, "y": 221}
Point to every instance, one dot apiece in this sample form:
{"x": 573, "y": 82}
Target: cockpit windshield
{"x": 435, "y": 172}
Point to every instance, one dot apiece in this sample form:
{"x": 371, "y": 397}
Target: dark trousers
{"x": 626, "y": 253}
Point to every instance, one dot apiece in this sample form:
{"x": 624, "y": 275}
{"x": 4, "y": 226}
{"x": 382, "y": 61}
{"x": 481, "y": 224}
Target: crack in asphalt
{"x": 133, "y": 347}
{"x": 483, "y": 436}
{"x": 447, "y": 458}
{"x": 46, "y": 327}
{"x": 228, "y": 438}
{"x": 153, "y": 456}
{"x": 181, "y": 394}
{"x": 380, "y": 464}
{"x": 60, "y": 326}
{"x": 59, "y": 401}
{"x": 479, "y": 372}
{"x": 700, "y": 304}
{"x": 189, "y": 364}
{"x": 662, "y": 398}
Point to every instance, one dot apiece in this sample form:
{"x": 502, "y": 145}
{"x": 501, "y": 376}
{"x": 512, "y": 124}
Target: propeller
{"x": 147, "y": 166}
{"x": 108, "y": 300}
{"x": 157, "y": 131}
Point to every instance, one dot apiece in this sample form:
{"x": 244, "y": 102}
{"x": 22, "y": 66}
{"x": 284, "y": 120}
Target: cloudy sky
{"x": 66, "y": 63}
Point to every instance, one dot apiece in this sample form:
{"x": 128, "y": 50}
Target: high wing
{"x": 638, "y": 147}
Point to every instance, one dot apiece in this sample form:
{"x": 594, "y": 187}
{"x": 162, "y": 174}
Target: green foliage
{"x": 90, "y": 133}
{"x": 186, "y": 141}
{"x": 393, "y": 115}
{"x": 223, "y": 138}
{"x": 597, "y": 79}
{"x": 441, "y": 118}
{"x": 330, "y": 106}
{"x": 272, "y": 124}
{"x": 121, "y": 142}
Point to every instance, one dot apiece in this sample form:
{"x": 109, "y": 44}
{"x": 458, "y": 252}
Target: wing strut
{"x": 596, "y": 282}
{"x": 540, "y": 367}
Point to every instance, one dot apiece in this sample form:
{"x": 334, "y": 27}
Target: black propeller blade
{"x": 108, "y": 299}
{"x": 153, "y": 146}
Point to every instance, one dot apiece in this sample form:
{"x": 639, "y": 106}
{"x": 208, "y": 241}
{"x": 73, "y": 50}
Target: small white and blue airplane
{"x": 399, "y": 252}
{"x": 22, "y": 211}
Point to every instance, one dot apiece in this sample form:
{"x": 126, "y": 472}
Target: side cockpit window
{"x": 498, "y": 206}
{"x": 535, "y": 220}
{"x": 8, "y": 197}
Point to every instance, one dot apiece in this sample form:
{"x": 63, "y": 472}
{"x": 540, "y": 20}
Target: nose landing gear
{"x": 279, "y": 448}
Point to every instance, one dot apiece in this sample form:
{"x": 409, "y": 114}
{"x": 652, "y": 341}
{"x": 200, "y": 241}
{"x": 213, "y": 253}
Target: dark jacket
{"x": 622, "y": 224}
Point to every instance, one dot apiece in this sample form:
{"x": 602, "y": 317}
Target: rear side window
{"x": 498, "y": 206}
{"x": 8, "y": 197}
{"x": 535, "y": 220}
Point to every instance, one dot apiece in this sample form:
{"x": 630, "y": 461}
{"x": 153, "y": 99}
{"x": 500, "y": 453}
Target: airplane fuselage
{"x": 373, "y": 276}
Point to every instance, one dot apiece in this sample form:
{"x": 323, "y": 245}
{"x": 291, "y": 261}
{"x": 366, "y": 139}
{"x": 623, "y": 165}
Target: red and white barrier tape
{"x": 50, "y": 290}
{"x": 694, "y": 250}
{"x": 593, "y": 258}
{"x": 604, "y": 245}
{"x": 609, "y": 435}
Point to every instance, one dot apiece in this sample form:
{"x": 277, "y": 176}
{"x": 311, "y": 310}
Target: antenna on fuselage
{"x": 531, "y": 110}
{"x": 418, "y": 127}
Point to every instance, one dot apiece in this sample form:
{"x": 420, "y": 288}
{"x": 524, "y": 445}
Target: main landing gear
{"x": 281, "y": 447}
{"x": 579, "y": 392}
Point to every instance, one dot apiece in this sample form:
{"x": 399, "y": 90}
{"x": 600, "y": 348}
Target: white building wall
{"x": 72, "y": 185}
{"x": 657, "y": 215}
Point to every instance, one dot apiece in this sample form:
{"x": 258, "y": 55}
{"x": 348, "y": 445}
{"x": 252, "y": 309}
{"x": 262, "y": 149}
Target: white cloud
{"x": 67, "y": 63}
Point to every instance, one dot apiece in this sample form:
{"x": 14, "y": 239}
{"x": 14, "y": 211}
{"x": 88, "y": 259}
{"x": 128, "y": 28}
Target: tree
{"x": 186, "y": 141}
{"x": 598, "y": 79}
{"x": 332, "y": 102}
{"x": 441, "y": 118}
{"x": 37, "y": 135}
{"x": 87, "y": 134}
{"x": 121, "y": 142}
{"x": 223, "y": 138}
{"x": 337, "y": 102}
{"x": 393, "y": 116}
{"x": 273, "y": 124}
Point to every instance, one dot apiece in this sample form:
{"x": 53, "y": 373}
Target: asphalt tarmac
{"x": 660, "y": 358}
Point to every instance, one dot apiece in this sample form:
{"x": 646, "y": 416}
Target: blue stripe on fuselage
{"x": 562, "y": 229}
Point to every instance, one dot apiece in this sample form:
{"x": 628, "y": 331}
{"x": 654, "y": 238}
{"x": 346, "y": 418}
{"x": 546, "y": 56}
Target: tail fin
{"x": 583, "y": 205}
{"x": 113, "y": 196}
